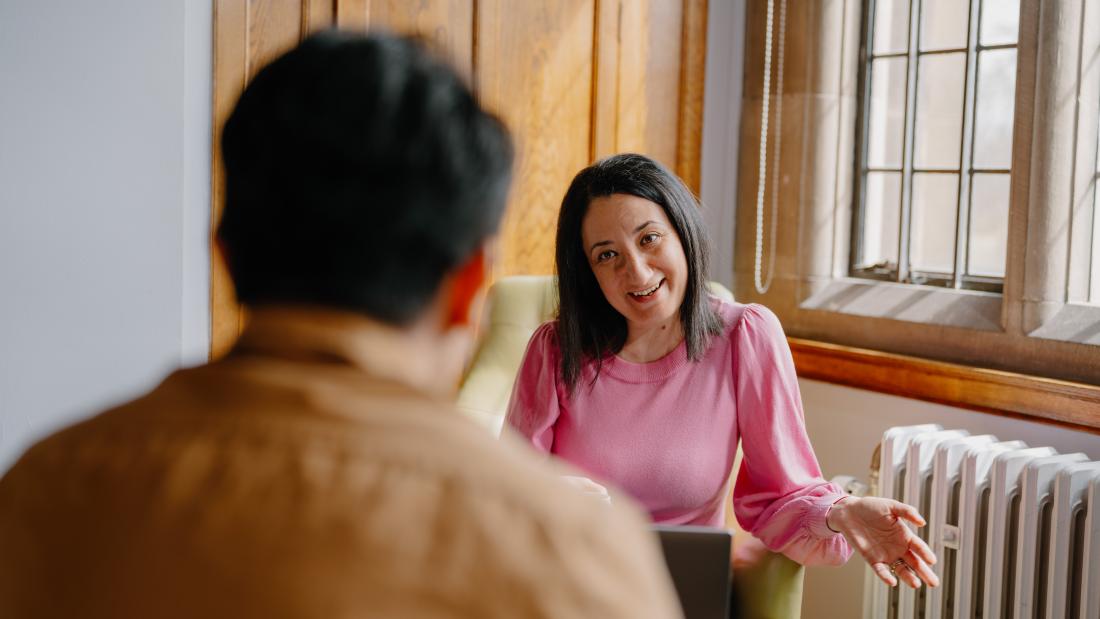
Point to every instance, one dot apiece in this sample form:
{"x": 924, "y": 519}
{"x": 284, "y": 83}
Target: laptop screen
{"x": 698, "y": 560}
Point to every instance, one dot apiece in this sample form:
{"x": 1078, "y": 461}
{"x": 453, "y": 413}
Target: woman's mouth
{"x": 648, "y": 292}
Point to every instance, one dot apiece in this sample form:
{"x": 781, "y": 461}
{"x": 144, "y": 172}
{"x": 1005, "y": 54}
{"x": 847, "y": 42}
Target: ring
{"x": 895, "y": 565}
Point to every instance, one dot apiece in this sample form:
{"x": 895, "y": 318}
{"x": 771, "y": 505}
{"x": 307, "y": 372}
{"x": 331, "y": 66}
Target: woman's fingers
{"x": 919, "y": 548}
{"x": 921, "y": 570}
{"x": 906, "y": 574}
{"x": 908, "y": 512}
{"x": 883, "y": 572}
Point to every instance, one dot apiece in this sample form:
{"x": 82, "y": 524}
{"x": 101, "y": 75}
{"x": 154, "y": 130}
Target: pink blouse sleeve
{"x": 533, "y": 408}
{"x": 780, "y": 496}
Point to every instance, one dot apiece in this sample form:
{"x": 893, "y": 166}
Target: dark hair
{"x": 588, "y": 326}
{"x": 359, "y": 171}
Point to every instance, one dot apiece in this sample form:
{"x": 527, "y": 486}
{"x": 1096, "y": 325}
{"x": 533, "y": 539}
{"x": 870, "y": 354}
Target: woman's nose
{"x": 635, "y": 268}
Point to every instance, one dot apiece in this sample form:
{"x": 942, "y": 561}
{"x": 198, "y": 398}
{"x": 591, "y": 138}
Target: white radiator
{"x": 1016, "y": 528}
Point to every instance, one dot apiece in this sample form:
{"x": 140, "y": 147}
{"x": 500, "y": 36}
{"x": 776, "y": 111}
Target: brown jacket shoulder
{"x": 257, "y": 487}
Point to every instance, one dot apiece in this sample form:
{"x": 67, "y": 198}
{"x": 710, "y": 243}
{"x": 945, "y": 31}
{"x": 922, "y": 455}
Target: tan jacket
{"x": 289, "y": 480}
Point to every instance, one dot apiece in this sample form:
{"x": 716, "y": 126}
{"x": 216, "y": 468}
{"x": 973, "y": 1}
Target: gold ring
{"x": 895, "y": 565}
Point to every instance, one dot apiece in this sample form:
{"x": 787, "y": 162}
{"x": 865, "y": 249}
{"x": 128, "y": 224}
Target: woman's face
{"x": 637, "y": 258}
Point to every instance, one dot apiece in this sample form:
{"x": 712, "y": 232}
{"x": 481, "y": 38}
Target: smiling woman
{"x": 627, "y": 224}
{"x": 647, "y": 383}
{"x": 641, "y": 269}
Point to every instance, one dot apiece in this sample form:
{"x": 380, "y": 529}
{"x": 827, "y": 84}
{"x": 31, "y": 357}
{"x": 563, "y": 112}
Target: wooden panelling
{"x": 689, "y": 149}
{"x": 605, "y": 78}
{"x": 318, "y": 15}
{"x": 352, "y": 14}
{"x": 1074, "y": 405}
{"x": 575, "y": 80}
{"x": 274, "y": 26}
{"x": 447, "y": 25}
{"x": 534, "y": 63}
{"x": 230, "y": 75}
{"x": 649, "y": 79}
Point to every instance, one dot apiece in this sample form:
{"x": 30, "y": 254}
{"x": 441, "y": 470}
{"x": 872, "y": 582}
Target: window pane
{"x": 932, "y": 232}
{"x": 891, "y": 26}
{"x": 988, "y": 225}
{"x": 939, "y": 110}
{"x": 944, "y": 24}
{"x": 886, "y": 117}
{"x": 881, "y": 206}
{"x": 1000, "y": 21}
{"x": 996, "y": 102}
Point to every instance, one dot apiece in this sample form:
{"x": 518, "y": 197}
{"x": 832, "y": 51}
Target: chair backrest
{"x": 515, "y": 307}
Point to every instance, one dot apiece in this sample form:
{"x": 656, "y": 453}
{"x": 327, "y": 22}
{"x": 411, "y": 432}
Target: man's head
{"x": 360, "y": 172}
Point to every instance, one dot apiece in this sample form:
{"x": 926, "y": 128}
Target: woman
{"x": 647, "y": 382}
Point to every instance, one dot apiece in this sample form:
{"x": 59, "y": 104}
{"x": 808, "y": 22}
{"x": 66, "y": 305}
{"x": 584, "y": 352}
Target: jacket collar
{"x": 318, "y": 335}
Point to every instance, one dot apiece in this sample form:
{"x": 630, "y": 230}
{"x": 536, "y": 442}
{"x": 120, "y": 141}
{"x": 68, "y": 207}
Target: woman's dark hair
{"x": 360, "y": 170}
{"x": 588, "y": 327}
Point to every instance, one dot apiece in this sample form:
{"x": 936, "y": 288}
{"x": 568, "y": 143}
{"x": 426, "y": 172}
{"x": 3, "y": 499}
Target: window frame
{"x": 1034, "y": 326}
{"x": 964, "y": 172}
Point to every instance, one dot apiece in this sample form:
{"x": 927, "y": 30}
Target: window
{"x": 937, "y": 190}
{"x": 937, "y": 118}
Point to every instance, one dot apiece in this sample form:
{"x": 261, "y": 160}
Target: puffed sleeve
{"x": 533, "y": 408}
{"x": 780, "y": 496}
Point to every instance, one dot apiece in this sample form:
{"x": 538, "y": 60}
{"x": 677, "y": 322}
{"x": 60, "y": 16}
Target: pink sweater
{"x": 666, "y": 432}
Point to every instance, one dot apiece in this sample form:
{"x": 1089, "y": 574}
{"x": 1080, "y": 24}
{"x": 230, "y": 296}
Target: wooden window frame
{"x": 1027, "y": 352}
{"x": 1064, "y": 403}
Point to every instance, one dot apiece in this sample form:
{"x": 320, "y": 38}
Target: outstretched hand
{"x": 874, "y": 527}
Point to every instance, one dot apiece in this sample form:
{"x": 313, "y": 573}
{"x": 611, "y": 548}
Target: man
{"x": 318, "y": 470}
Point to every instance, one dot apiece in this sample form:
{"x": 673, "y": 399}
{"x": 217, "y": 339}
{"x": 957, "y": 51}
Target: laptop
{"x": 698, "y": 560}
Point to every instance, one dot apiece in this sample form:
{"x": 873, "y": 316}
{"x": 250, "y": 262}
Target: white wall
{"x": 104, "y": 204}
{"x": 844, "y": 426}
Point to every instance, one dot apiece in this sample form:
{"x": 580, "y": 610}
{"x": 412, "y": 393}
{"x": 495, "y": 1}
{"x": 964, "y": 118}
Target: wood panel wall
{"x": 575, "y": 80}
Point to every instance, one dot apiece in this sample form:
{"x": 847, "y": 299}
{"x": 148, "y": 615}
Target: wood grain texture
{"x": 689, "y": 148}
{"x": 650, "y": 36}
{"x": 352, "y": 14}
{"x": 534, "y": 64}
{"x": 318, "y": 15}
{"x": 447, "y": 26}
{"x": 1073, "y": 405}
{"x": 230, "y": 75}
{"x": 605, "y": 78}
{"x": 274, "y": 26}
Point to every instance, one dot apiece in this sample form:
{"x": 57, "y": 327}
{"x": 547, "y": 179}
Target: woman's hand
{"x": 588, "y": 487}
{"x": 874, "y": 527}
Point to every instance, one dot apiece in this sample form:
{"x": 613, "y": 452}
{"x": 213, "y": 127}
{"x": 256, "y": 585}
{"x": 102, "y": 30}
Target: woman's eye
{"x": 604, "y": 256}
{"x": 650, "y": 237}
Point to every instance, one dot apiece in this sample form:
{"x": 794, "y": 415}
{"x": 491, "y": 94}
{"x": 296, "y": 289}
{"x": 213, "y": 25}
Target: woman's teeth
{"x": 648, "y": 291}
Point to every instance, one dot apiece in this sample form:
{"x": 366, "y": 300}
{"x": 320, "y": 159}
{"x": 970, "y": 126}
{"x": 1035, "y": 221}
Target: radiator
{"x": 1016, "y": 528}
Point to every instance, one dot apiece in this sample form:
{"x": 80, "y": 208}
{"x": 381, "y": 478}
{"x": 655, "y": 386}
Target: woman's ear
{"x": 467, "y": 283}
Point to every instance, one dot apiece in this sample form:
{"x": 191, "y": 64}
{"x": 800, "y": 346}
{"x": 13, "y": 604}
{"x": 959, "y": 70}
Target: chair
{"x": 516, "y": 306}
